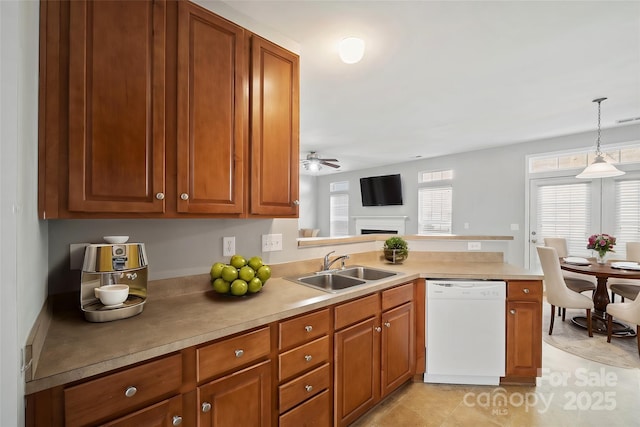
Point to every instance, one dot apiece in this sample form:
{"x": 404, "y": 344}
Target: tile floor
{"x": 572, "y": 392}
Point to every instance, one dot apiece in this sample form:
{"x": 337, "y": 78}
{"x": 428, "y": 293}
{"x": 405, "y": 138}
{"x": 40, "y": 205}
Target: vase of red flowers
{"x": 602, "y": 244}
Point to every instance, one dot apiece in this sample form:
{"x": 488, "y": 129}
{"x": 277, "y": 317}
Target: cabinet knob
{"x": 184, "y": 196}
{"x": 239, "y": 353}
{"x": 296, "y": 202}
{"x": 308, "y": 388}
{"x": 308, "y": 328}
{"x": 130, "y": 391}
{"x": 525, "y": 290}
{"x": 377, "y": 329}
{"x": 387, "y": 324}
{"x": 160, "y": 196}
{"x": 176, "y": 420}
{"x": 206, "y": 406}
{"x": 308, "y": 357}
{"x": 512, "y": 311}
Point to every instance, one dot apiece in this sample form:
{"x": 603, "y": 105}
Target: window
{"x": 627, "y": 214}
{"x": 435, "y": 202}
{"x": 564, "y": 210}
{"x": 339, "y": 208}
{"x": 579, "y": 160}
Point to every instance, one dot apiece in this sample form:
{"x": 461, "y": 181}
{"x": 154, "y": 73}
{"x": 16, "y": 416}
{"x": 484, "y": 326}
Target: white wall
{"x": 488, "y": 186}
{"x": 23, "y": 239}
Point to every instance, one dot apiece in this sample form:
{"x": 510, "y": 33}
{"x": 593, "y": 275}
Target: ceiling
{"x": 441, "y": 77}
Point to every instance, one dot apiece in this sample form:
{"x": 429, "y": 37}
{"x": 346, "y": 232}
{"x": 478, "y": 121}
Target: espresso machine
{"x": 111, "y": 264}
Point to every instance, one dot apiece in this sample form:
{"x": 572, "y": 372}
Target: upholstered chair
{"x": 575, "y": 281}
{"x": 626, "y": 288}
{"x": 627, "y": 312}
{"x": 558, "y": 294}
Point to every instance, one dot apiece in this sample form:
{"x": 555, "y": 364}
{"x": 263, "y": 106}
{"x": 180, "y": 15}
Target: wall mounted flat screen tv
{"x": 382, "y": 190}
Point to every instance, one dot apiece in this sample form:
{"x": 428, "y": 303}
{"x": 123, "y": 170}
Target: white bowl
{"x": 116, "y": 239}
{"x": 112, "y": 294}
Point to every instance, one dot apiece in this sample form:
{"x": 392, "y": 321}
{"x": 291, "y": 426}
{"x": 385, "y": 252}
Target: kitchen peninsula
{"x": 186, "y": 330}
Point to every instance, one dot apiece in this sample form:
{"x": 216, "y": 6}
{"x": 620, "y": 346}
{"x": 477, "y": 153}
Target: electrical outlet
{"x": 515, "y": 227}
{"x": 228, "y": 246}
{"x": 271, "y": 242}
{"x": 466, "y": 225}
{"x": 474, "y": 246}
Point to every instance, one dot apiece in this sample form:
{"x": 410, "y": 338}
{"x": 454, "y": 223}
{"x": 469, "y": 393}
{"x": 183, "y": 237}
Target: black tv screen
{"x": 382, "y": 190}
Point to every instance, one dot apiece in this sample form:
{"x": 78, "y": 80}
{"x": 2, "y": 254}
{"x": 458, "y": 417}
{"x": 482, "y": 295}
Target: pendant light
{"x": 599, "y": 168}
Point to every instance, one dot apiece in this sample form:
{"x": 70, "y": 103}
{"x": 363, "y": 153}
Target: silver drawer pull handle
{"x": 130, "y": 391}
{"x": 308, "y": 388}
{"x": 512, "y": 311}
{"x": 206, "y": 406}
{"x": 525, "y": 290}
{"x": 239, "y": 353}
{"x": 308, "y": 328}
{"x": 308, "y": 357}
{"x": 176, "y": 420}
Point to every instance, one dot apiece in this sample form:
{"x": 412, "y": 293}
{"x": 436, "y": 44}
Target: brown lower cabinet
{"x": 322, "y": 368}
{"x": 524, "y": 331}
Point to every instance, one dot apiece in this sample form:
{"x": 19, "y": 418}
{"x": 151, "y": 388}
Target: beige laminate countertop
{"x": 74, "y": 349}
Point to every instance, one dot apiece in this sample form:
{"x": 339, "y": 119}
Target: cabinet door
{"x": 398, "y": 348}
{"x": 164, "y": 414}
{"x": 274, "y": 130}
{"x": 116, "y": 106}
{"x": 240, "y": 399}
{"x": 212, "y": 112}
{"x": 357, "y": 370}
{"x": 524, "y": 338}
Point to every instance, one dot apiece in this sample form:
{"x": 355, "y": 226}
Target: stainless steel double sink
{"x": 334, "y": 281}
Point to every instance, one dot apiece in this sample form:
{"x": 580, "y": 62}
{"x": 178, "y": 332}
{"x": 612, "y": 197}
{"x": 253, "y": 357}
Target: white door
{"x": 563, "y": 207}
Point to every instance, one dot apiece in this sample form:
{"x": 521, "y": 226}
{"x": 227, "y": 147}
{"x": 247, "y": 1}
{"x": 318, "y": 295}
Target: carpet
{"x": 621, "y": 352}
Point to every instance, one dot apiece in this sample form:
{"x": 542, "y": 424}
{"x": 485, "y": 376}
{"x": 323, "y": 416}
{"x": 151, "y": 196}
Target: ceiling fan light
{"x": 351, "y": 50}
{"x": 314, "y": 166}
{"x": 600, "y": 168}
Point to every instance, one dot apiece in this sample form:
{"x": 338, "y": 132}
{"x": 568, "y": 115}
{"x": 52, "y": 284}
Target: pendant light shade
{"x": 600, "y": 168}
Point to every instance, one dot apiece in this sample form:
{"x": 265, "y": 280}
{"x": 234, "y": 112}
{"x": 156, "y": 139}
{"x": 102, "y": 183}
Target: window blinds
{"x": 435, "y": 207}
{"x": 339, "y": 215}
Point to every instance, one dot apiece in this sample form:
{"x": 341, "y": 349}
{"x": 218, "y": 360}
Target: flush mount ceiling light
{"x": 351, "y": 50}
{"x": 600, "y": 168}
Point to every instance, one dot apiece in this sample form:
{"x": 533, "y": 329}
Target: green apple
{"x": 264, "y": 273}
{"x": 229, "y": 273}
{"x": 255, "y": 285}
{"x": 216, "y": 270}
{"x": 239, "y": 287}
{"x": 246, "y": 273}
{"x": 255, "y": 262}
{"x": 221, "y": 286}
{"x": 238, "y": 261}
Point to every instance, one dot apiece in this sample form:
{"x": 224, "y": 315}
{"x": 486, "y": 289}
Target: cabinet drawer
{"x": 525, "y": 290}
{"x": 223, "y": 356}
{"x": 355, "y": 311}
{"x": 303, "y": 329}
{"x": 397, "y": 296}
{"x": 314, "y": 412}
{"x": 304, "y": 387}
{"x": 303, "y": 358}
{"x": 95, "y": 400}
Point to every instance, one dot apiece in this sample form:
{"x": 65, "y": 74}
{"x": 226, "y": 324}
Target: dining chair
{"x": 626, "y": 288}
{"x": 575, "y": 281}
{"x": 625, "y": 311}
{"x": 558, "y": 294}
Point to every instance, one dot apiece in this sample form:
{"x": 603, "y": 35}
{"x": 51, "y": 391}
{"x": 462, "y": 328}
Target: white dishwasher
{"x": 465, "y": 331}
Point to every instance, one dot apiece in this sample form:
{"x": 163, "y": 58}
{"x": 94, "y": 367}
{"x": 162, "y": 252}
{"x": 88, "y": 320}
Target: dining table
{"x": 602, "y": 273}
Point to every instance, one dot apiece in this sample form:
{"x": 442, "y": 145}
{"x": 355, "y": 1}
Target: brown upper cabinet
{"x": 145, "y": 113}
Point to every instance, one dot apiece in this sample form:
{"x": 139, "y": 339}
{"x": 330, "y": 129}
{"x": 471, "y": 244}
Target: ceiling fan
{"x": 314, "y": 163}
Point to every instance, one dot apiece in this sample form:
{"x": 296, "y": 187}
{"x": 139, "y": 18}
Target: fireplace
{"x": 380, "y": 224}
{"x": 377, "y": 231}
